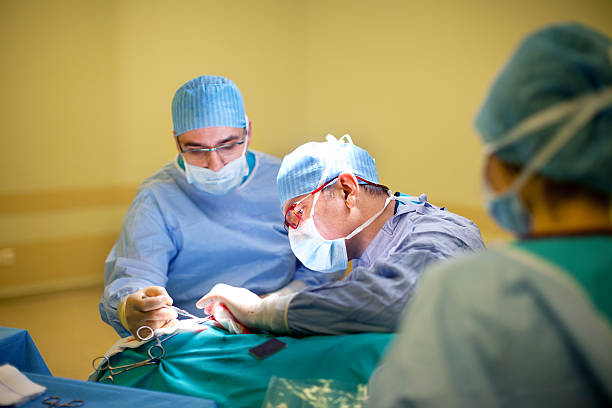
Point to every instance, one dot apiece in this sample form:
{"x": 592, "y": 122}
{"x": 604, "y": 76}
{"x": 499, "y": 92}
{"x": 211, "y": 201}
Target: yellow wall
{"x": 405, "y": 78}
{"x": 86, "y": 89}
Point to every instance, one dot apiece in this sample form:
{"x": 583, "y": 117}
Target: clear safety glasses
{"x": 201, "y": 155}
{"x": 293, "y": 216}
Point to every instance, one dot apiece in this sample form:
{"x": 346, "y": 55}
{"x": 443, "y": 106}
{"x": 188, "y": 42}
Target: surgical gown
{"x": 372, "y": 297}
{"x": 186, "y": 240}
{"x": 521, "y": 326}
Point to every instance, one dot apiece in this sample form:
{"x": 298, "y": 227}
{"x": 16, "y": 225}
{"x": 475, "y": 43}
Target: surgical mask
{"x": 507, "y": 207}
{"x": 219, "y": 182}
{"x": 318, "y": 253}
{"x": 508, "y": 210}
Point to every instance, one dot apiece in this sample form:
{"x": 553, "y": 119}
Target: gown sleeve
{"x": 311, "y": 278}
{"x": 139, "y": 258}
{"x": 372, "y": 298}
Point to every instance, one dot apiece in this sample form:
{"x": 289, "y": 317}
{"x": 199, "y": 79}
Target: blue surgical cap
{"x": 554, "y": 65}
{"x": 207, "y": 101}
{"x": 315, "y": 163}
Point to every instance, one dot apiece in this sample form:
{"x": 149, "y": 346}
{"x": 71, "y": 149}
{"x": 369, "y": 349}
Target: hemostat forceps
{"x": 156, "y": 352}
{"x": 182, "y": 312}
{"x": 55, "y": 401}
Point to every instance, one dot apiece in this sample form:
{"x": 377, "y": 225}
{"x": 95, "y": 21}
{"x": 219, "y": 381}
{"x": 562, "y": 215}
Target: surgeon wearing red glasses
{"x": 336, "y": 210}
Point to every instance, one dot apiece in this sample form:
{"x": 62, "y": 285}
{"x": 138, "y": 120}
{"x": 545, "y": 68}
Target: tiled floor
{"x": 65, "y": 326}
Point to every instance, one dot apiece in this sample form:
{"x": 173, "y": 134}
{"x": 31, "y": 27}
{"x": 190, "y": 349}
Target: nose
{"x": 214, "y": 161}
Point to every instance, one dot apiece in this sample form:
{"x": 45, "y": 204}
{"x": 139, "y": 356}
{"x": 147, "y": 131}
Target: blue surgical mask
{"x": 318, "y": 253}
{"x": 219, "y": 182}
{"x": 508, "y": 210}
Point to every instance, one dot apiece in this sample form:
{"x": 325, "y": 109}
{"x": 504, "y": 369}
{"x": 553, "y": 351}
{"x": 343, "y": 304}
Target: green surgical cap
{"x": 554, "y": 65}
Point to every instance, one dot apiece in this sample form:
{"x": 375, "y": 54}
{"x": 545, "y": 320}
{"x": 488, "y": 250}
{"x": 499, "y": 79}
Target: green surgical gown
{"x": 524, "y": 325}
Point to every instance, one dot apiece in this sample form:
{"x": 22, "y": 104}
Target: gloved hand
{"x": 223, "y": 316}
{"x": 146, "y": 308}
{"x": 291, "y": 287}
{"x": 248, "y": 308}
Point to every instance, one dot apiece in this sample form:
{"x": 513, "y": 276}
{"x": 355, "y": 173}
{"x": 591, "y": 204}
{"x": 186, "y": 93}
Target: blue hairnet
{"x": 207, "y": 101}
{"x": 553, "y": 65}
{"x": 302, "y": 170}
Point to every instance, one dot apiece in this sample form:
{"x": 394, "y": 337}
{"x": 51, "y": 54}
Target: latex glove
{"x": 224, "y": 317}
{"x": 146, "y": 308}
{"x": 291, "y": 287}
{"x": 248, "y": 308}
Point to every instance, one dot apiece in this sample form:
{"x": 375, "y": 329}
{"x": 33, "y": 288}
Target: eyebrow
{"x": 229, "y": 139}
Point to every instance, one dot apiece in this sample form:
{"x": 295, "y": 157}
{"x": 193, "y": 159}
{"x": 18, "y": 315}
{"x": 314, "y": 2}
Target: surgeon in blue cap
{"x": 210, "y": 215}
{"x": 527, "y": 324}
{"x": 336, "y": 210}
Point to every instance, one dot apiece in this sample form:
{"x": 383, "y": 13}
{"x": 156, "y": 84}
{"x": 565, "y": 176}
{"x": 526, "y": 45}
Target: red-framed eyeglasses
{"x": 293, "y": 217}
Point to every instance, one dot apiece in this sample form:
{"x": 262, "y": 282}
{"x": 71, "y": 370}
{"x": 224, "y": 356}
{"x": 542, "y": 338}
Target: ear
{"x": 176, "y": 141}
{"x": 350, "y": 189}
{"x": 249, "y": 132}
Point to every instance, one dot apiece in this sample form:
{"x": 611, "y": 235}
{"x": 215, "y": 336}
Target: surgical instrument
{"x": 156, "y": 352}
{"x": 55, "y": 401}
{"x": 182, "y": 312}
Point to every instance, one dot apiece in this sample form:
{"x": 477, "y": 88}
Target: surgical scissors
{"x": 156, "y": 352}
{"x": 54, "y": 401}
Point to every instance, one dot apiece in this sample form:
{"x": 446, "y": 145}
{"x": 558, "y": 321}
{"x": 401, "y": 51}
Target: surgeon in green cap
{"x": 527, "y": 324}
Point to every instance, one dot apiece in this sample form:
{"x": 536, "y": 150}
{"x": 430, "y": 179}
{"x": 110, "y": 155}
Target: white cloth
{"x": 16, "y": 388}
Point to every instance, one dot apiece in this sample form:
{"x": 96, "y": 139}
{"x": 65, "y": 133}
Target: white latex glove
{"x": 248, "y": 308}
{"x": 223, "y": 316}
{"x": 291, "y": 287}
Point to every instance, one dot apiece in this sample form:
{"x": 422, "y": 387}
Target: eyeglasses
{"x": 293, "y": 217}
{"x": 201, "y": 154}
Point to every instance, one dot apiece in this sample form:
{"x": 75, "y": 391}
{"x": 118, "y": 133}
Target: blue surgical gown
{"x": 186, "y": 240}
{"x": 528, "y": 325}
{"x": 372, "y": 296}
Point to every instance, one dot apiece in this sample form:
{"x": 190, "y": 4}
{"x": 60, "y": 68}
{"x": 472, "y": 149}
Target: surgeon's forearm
{"x": 121, "y": 311}
{"x": 110, "y": 316}
{"x": 348, "y": 307}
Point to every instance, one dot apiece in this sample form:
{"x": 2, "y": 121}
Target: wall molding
{"x": 52, "y": 200}
{"x": 38, "y": 288}
{"x": 55, "y": 265}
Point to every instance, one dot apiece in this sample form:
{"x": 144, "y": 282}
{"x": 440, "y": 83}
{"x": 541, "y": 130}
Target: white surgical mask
{"x": 318, "y": 253}
{"x": 219, "y": 182}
